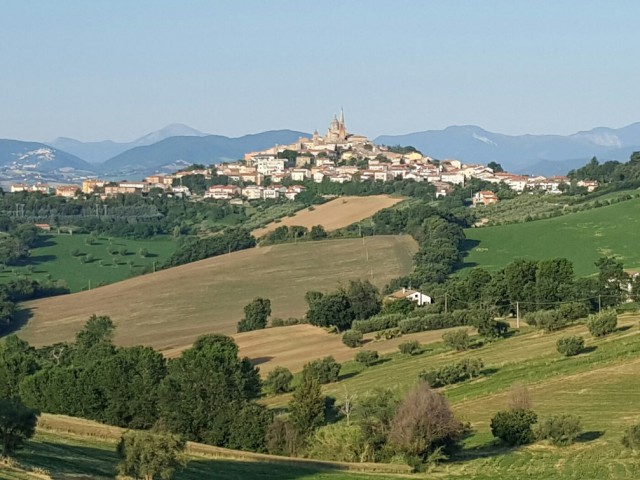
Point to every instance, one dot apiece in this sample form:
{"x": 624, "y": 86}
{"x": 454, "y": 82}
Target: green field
{"x": 53, "y": 259}
{"x": 581, "y": 237}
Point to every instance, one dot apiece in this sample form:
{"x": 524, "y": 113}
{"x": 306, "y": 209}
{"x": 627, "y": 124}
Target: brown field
{"x": 169, "y": 309}
{"x": 334, "y": 214}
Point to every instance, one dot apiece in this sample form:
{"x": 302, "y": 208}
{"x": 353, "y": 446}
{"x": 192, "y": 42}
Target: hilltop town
{"x": 338, "y": 156}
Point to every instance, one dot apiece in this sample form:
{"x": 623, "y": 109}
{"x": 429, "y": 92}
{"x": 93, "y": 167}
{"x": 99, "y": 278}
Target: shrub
{"x": 569, "y": 346}
{"x": 514, "y": 426}
{"x": 367, "y": 357}
{"x": 325, "y": 371}
{"x": 281, "y": 322}
{"x": 547, "y": 320}
{"x": 453, "y": 373}
{"x": 631, "y": 438}
{"x": 603, "y": 323}
{"x": 561, "y": 430}
{"x": 492, "y": 329}
{"x": 458, "y": 339}
{"x": 352, "y": 338}
{"x": 409, "y": 348}
{"x": 388, "y": 334}
{"x": 377, "y": 323}
{"x": 278, "y": 381}
{"x": 573, "y": 311}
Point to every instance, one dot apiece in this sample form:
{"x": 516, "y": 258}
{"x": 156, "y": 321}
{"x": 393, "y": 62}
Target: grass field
{"x": 53, "y": 259}
{"x": 581, "y": 237}
{"x": 334, "y": 214}
{"x": 170, "y": 308}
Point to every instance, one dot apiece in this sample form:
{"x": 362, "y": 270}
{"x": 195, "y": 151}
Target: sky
{"x": 118, "y": 69}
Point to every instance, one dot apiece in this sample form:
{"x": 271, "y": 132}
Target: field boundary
{"x": 81, "y": 428}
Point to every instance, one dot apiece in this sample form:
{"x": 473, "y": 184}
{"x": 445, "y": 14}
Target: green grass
{"x": 67, "y": 456}
{"x": 581, "y": 237}
{"x": 53, "y": 259}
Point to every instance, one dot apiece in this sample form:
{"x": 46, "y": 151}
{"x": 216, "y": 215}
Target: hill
{"x": 534, "y": 154}
{"x": 97, "y": 152}
{"x": 170, "y": 308}
{"x": 176, "y": 152}
{"x": 334, "y": 214}
{"x": 582, "y": 237}
{"x": 37, "y": 157}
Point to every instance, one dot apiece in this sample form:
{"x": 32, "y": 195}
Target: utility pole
{"x": 446, "y": 309}
{"x": 599, "y": 303}
{"x": 517, "y": 314}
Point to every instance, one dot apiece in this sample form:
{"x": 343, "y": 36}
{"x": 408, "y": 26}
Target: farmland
{"x": 334, "y": 214}
{"x": 82, "y": 264}
{"x": 170, "y": 308}
{"x": 581, "y": 237}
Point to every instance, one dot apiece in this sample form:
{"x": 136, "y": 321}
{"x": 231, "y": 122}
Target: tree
{"x": 12, "y": 250}
{"x": 514, "y": 426}
{"x": 306, "y": 409}
{"x": 149, "y": 455}
{"x": 95, "y": 340}
{"x": 603, "y": 323}
{"x": 409, "y": 348}
{"x": 256, "y": 315}
{"x": 364, "y": 298}
{"x": 325, "y": 370}
{"x": 570, "y": 346}
{"x": 278, "y": 381}
{"x": 423, "y": 422}
{"x": 205, "y": 389}
{"x": 561, "y": 430}
{"x": 17, "y": 424}
{"x": 17, "y": 361}
{"x": 331, "y": 309}
{"x": 367, "y": 357}
{"x": 457, "y": 339}
{"x": 352, "y": 338}
{"x": 317, "y": 232}
{"x": 496, "y": 167}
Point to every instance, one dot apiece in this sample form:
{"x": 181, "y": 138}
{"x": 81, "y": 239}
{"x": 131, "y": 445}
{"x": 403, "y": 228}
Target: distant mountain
{"x": 175, "y": 152}
{"x": 98, "y": 152}
{"x": 536, "y": 154}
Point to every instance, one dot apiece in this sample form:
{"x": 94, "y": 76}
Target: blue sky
{"x": 118, "y": 69}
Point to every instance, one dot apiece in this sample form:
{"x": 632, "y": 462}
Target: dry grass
{"x": 335, "y": 214}
{"x": 169, "y": 309}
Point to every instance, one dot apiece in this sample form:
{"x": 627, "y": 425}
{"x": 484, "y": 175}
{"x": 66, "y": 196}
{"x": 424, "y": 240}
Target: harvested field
{"x": 169, "y": 309}
{"x": 334, "y": 214}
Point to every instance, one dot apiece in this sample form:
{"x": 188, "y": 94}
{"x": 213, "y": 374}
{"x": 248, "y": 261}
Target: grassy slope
{"x": 170, "y": 308}
{"x": 581, "y": 237}
{"x": 53, "y": 257}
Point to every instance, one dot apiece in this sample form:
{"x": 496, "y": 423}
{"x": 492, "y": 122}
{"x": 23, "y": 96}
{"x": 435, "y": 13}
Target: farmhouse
{"x": 485, "y": 197}
{"x": 413, "y": 295}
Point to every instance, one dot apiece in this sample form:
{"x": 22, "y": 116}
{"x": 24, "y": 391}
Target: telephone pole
{"x": 517, "y": 314}
{"x": 446, "y": 309}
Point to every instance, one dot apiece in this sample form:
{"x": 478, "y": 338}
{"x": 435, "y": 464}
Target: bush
{"x": 570, "y": 346}
{"x": 514, "y": 426}
{"x": 603, "y": 323}
{"x": 561, "y": 430}
{"x": 377, "y": 323}
{"x": 367, "y": 357}
{"x": 435, "y": 321}
{"x": 409, "y": 348}
{"x": 388, "y": 334}
{"x": 453, "y": 373}
{"x": 573, "y": 311}
{"x": 547, "y": 320}
{"x": 631, "y": 438}
{"x": 281, "y": 322}
{"x": 278, "y": 381}
{"x": 325, "y": 371}
{"x": 458, "y": 339}
{"x": 352, "y": 338}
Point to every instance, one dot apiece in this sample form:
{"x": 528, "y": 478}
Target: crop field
{"x": 334, "y": 214}
{"x": 92, "y": 265}
{"x": 170, "y": 308}
{"x": 581, "y": 237}
{"x": 304, "y": 343}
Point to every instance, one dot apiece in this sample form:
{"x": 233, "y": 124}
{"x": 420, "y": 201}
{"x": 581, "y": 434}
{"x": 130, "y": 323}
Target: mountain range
{"x": 534, "y": 154}
{"x": 177, "y": 145}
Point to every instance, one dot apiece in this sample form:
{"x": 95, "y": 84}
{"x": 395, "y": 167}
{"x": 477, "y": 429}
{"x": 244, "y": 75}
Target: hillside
{"x": 37, "y": 157}
{"x": 178, "y": 151}
{"x": 170, "y": 308}
{"x": 334, "y": 214}
{"x": 581, "y": 237}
